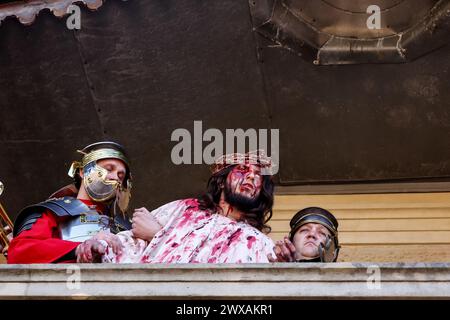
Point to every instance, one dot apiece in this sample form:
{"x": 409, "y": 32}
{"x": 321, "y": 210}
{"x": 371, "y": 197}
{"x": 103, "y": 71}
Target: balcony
{"x": 259, "y": 281}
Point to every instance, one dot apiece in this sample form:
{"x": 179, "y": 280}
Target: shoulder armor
{"x": 65, "y": 206}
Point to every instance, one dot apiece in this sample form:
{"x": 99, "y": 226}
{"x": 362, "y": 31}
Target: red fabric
{"x": 42, "y": 243}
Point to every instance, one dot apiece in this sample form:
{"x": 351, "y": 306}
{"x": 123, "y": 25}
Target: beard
{"x": 240, "y": 202}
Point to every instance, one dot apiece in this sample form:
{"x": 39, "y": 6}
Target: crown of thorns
{"x": 256, "y": 157}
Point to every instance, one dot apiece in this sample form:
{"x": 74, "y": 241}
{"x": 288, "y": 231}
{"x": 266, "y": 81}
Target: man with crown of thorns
{"x": 225, "y": 225}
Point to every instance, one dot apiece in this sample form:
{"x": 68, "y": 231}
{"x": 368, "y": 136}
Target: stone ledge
{"x": 251, "y": 281}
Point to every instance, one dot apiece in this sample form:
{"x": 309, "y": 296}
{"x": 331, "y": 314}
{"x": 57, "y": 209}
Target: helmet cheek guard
{"x": 97, "y": 186}
{"x": 123, "y": 195}
{"x": 329, "y": 250}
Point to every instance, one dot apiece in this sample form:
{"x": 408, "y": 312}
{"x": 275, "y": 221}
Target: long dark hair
{"x": 256, "y": 217}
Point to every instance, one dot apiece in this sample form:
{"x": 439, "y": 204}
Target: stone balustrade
{"x": 250, "y": 281}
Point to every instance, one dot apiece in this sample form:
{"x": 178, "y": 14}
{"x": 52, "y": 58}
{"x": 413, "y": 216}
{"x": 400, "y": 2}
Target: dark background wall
{"x": 138, "y": 70}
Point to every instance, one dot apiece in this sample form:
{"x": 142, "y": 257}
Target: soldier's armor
{"x": 84, "y": 226}
{"x": 84, "y": 223}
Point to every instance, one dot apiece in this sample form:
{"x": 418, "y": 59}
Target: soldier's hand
{"x": 90, "y": 251}
{"x": 112, "y": 240}
{"x": 144, "y": 225}
{"x": 284, "y": 250}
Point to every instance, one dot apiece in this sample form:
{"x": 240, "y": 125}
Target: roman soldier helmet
{"x": 328, "y": 251}
{"x": 95, "y": 181}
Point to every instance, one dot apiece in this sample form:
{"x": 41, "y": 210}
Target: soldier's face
{"x": 116, "y": 169}
{"x": 308, "y": 238}
{"x": 245, "y": 181}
